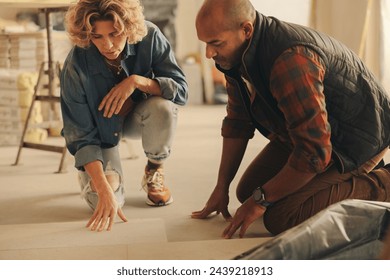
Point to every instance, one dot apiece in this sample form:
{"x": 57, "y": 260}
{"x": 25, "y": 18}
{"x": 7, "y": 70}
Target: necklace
{"x": 117, "y": 67}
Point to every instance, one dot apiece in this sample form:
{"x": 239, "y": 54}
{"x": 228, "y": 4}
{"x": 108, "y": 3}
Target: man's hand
{"x": 218, "y": 202}
{"x": 246, "y": 214}
{"x": 105, "y": 212}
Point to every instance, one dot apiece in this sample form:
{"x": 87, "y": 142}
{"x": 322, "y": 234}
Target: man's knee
{"x": 277, "y": 222}
{"x": 243, "y": 193}
{"x": 241, "y": 196}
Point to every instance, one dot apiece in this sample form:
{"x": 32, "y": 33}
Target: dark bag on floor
{"x": 349, "y": 230}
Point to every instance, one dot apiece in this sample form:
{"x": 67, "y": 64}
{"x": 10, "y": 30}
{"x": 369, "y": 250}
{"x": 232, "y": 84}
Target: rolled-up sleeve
{"x": 79, "y": 129}
{"x": 166, "y": 70}
{"x": 237, "y": 123}
{"x": 237, "y": 129}
{"x": 88, "y": 154}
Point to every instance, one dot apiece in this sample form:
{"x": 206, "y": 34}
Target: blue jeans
{"x": 153, "y": 121}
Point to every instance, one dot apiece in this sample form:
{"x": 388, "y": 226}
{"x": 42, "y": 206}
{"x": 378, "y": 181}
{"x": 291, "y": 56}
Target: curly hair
{"x": 127, "y": 16}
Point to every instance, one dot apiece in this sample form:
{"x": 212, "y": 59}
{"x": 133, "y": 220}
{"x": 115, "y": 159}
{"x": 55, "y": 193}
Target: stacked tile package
{"x": 16, "y": 91}
{"x": 4, "y": 52}
{"x": 21, "y": 56}
{"x": 27, "y": 50}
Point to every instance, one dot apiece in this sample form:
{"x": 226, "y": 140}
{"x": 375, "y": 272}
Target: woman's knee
{"x": 163, "y": 108}
{"x": 88, "y": 191}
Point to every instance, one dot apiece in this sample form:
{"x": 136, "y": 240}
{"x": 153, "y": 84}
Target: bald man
{"x": 326, "y": 117}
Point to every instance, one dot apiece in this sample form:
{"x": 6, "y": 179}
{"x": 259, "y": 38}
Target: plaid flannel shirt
{"x": 296, "y": 83}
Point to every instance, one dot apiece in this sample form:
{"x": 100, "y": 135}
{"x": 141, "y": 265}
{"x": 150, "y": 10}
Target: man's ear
{"x": 247, "y": 26}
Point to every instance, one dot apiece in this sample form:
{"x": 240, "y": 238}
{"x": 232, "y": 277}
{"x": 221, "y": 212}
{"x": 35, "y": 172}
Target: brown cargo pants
{"x": 323, "y": 190}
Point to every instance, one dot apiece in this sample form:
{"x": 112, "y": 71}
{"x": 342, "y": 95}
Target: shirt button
{"x": 116, "y": 134}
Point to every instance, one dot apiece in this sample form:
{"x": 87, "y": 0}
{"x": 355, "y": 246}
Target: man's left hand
{"x": 245, "y": 215}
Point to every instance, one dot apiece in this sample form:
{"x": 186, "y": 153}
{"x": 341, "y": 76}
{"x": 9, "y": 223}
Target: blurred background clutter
{"x": 42, "y": 215}
{"x": 24, "y": 47}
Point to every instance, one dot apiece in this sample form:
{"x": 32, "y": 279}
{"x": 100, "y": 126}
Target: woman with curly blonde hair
{"x": 120, "y": 79}
{"x": 127, "y": 17}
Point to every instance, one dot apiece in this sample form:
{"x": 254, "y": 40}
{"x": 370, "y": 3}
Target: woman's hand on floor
{"x": 105, "y": 213}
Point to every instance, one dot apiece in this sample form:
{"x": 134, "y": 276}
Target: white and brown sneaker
{"x": 153, "y": 184}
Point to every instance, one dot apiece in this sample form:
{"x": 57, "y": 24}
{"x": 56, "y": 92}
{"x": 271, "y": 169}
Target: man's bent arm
{"x": 233, "y": 150}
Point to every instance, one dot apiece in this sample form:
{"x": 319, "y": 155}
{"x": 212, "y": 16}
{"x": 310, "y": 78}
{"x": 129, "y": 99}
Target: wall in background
{"x": 343, "y": 19}
{"x": 187, "y": 43}
{"x": 362, "y": 25}
{"x": 9, "y": 13}
{"x": 297, "y": 11}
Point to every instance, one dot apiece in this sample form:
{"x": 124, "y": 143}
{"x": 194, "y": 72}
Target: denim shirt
{"x": 85, "y": 80}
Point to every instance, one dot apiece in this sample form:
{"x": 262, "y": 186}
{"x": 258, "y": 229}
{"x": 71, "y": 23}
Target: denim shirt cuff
{"x": 168, "y": 87}
{"x": 87, "y": 154}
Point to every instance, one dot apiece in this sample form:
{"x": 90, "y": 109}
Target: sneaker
{"x": 153, "y": 184}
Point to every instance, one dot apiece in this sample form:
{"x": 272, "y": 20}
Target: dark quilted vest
{"x": 358, "y": 106}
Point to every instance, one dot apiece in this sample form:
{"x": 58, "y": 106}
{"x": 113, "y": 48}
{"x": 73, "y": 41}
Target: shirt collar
{"x": 96, "y": 61}
{"x": 128, "y": 50}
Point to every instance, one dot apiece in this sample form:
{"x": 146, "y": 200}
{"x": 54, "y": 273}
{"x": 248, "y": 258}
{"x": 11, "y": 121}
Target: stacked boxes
{"x": 21, "y": 56}
{"x": 4, "y": 51}
{"x": 27, "y": 50}
{"x": 22, "y": 50}
{"x": 16, "y": 92}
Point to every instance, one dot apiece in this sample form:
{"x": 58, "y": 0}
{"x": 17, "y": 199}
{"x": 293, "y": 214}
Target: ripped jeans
{"x": 153, "y": 121}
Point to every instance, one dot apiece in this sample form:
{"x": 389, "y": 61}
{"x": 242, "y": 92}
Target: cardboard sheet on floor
{"x": 75, "y": 234}
{"x": 348, "y": 230}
